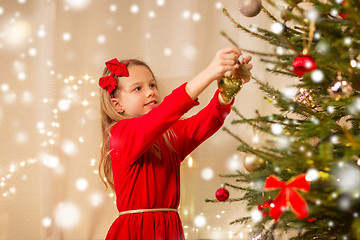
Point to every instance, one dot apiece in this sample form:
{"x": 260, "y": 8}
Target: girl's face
{"x": 138, "y": 93}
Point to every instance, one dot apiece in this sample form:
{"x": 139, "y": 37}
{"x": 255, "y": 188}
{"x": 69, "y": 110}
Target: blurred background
{"x": 52, "y": 55}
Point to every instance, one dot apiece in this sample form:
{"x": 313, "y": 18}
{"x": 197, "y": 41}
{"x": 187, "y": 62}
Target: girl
{"x": 144, "y": 141}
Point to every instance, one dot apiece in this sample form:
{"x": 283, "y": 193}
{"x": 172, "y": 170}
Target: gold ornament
{"x": 304, "y": 96}
{"x": 254, "y": 163}
{"x": 229, "y": 86}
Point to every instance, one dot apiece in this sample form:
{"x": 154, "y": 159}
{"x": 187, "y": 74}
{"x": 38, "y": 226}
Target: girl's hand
{"x": 232, "y": 81}
{"x": 224, "y": 61}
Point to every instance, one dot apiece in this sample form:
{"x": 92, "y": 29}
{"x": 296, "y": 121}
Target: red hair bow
{"x": 117, "y": 69}
{"x": 288, "y": 196}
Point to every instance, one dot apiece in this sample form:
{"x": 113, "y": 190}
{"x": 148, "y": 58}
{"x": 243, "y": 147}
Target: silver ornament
{"x": 250, "y": 8}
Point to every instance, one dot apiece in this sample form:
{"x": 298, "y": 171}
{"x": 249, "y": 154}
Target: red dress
{"x": 143, "y": 181}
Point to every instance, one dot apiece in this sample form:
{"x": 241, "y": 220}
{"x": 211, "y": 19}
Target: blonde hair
{"x": 109, "y": 117}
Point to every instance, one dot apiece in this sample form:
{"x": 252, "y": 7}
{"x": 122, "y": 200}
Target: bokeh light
{"x": 82, "y": 184}
{"x": 67, "y": 215}
{"x": 207, "y": 173}
{"x": 77, "y": 4}
{"x": 200, "y": 221}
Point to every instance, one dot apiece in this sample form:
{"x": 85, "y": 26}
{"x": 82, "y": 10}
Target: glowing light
{"x": 17, "y": 32}
{"x": 46, "y": 222}
{"x": 64, "y": 104}
{"x": 167, "y": 51}
{"x": 21, "y": 76}
{"x": 189, "y": 52}
{"x": 77, "y": 4}
{"x": 93, "y": 161}
{"x": 67, "y": 215}
{"x": 190, "y": 162}
{"x": 1, "y": 11}
{"x": 101, "y": 39}
{"x": 4, "y": 87}
{"x": 277, "y": 28}
{"x": 290, "y": 92}
{"x": 349, "y": 178}
{"x": 218, "y": 5}
{"x": 186, "y": 14}
{"x": 276, "y": 128}
{"x": 317, "y": 76}
{"x": 279, "y": 50}
{"x": 69, "y": 147}
{"x": 317, "y": 35}
{"x": 49, "y": 161}
{"x": 40, "y": 125}
{"x": 148, "y": 35}
{"x": 312, "y": 15}
{"x": 256, "y": 216}
{"x": 151, "y": 14}
{"x": 41, "y": 32}
{"x": 334, "y": 139}
{"x": 196, "y": 17}
{"x": 353, "y": 63}
{"x": 312, "y": 174}
{"x": 32, "y": 52}
{"x": 21, "y": 137}
{"x": 160, "y": 2}
{"x": 347, "y": 40}
{"x": 82, "y": 184}
{"x": 96, "y": 199}
{"x": 113, "y": 8}
{"x": 200, "y": 221}
{"x": 344, "y": 203}
{"x": 334, "y": 12}
{"x": 234, "y": 163}
{"x": 256, "y": 139}
{"x": 253, "y": 28}
{"x": 134, "y": 8}
{"x": 207, "y": 173}
{"x": 66, "y": 37}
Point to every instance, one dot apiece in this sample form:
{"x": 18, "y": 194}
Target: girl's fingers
{"x": 231, "y": 50}
{"x": 246, "y": 59}
{"x": 248, "y": 66}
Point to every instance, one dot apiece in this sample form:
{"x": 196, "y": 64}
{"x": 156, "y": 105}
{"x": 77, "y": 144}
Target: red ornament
{"x": 288, "y": 196}
{"x": 261, "y": 208}
{"x": 303, "y": 64}
{"x": 222, "y": 194}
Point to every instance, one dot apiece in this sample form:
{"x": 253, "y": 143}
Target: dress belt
{"x": 149, "y": 210}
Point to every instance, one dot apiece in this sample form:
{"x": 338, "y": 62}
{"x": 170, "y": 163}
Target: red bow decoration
{"x": 117, "y": 69}
{"x": 288, "y": 195}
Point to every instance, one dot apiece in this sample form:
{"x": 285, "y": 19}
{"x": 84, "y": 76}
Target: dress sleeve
{"x": 133, "y": 137}
{"x": 191, "y": 132}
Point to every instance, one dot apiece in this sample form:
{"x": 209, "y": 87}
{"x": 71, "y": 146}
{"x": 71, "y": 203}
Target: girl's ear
{"x": 117, "y": 105}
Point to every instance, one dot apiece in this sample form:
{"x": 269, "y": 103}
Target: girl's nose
{"x": 150, "y": 92}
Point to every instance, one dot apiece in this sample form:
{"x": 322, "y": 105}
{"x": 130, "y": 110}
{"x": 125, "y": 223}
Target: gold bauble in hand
{"x": 229, "y": 86}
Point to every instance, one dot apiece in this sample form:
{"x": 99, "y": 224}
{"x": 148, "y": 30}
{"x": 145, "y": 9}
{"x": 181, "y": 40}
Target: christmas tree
{"x": 305, "y": 176}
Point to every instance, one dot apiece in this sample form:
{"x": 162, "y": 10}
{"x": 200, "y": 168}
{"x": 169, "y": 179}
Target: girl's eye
{"x": 137, "y": 89}
{"x": 153, "y": 85}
